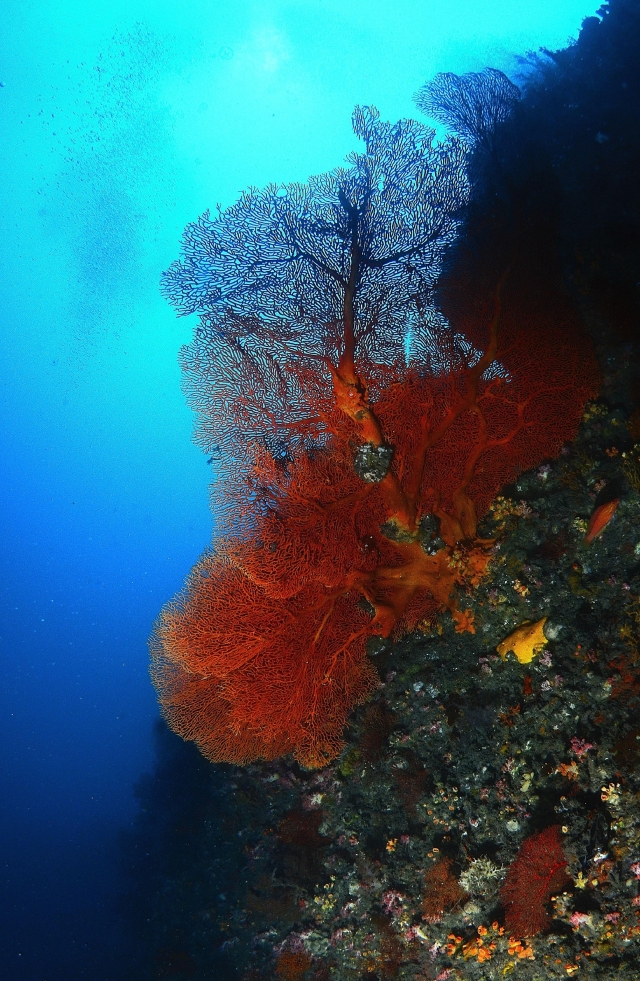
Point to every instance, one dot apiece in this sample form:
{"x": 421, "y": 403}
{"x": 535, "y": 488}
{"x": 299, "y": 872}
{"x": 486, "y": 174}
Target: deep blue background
{"x": 119, "y": 122}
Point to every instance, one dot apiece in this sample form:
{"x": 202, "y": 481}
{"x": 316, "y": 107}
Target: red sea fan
{"x": 276, "y": 676}
{"x": 358, "y": 435}
{"x": 536, "y": 874}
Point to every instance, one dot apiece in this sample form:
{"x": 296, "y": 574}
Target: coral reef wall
{"x": 480, "y": 816}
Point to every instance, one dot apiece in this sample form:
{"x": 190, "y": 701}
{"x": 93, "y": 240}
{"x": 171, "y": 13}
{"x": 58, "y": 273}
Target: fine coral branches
{"x": 472, "y": 105}
{"x": 277, "y": 676}
{"x": 538, "y": 871}
{"x": 442, "y": 891}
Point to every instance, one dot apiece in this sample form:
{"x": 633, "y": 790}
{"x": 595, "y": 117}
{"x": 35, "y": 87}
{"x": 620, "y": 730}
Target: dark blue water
{"x": 118, "y": 126}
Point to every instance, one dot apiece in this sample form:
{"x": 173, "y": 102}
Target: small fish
{"x": 600, "y": 519}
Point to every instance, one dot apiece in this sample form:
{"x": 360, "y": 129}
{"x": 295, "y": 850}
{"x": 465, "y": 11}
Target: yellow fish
{"x": 600, "y": 519}
{"x": 526, "y": 641}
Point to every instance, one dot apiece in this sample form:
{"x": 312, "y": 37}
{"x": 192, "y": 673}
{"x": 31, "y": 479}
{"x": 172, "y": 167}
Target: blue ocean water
{"x": 121, "y": 122}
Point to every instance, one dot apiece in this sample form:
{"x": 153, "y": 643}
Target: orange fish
{"x": 600, "y": 519}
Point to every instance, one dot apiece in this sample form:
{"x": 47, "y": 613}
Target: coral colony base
{"x": 417, "y": 626}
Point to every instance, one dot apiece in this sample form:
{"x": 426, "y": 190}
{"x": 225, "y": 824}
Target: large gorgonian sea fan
{"x": 359, "y": 432}
{"x": 273, "y": 278}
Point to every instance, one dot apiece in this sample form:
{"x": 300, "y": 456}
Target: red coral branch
{"x": 538, "y": 871}
{"x": 442, "y": 891}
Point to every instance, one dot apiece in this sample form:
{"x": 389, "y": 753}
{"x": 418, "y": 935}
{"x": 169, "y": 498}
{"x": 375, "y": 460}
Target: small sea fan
{"x": 538, "y": 871}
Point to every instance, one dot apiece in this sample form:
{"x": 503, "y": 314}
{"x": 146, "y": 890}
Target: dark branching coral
{"x": 472, "y": 105}
{"x": 293, "y": 283}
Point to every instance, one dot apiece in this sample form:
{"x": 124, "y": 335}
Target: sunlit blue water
{"x": 120, "y": 122}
